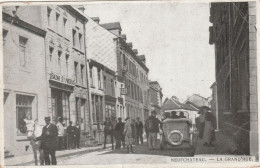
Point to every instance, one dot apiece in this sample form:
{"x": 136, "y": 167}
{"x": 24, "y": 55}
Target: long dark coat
{"x": 49, "y": 137}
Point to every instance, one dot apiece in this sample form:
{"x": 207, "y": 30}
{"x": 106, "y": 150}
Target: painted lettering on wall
{"x": 61, "y": 79}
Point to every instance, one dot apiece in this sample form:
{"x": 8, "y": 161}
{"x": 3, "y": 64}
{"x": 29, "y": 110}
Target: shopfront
{"x": 61, "y": 89}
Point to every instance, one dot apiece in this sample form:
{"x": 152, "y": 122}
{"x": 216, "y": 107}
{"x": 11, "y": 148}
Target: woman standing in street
{"x": 207, "y": 123}
{"x": 128, "y": 135}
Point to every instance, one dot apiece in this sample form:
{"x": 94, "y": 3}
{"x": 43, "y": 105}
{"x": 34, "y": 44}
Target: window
{"x": 99, "y": 78}
{"x": 112, "y": 87}
{"x": 91, "y": 76}
{"x": 4, "y": 36}
{"x": 59, "y": 60}
{"x": 105, "y": 83}
{"x": 22, "y": 50}
{"x": 80, "y": 41}
{"x": 50, "y": 53}
{"x": 64, "y": 26}
{"x": 77, "y": 109}
{"x": 49, "y": 16}
{"x": 76, "y": 71}
{"x": 67, "y": 64}
{"x": 82, "y": 74}
{"x": 74, "y": 37}
{"x": 93, "y": 108}
{"x": 57, "y": 22}
{"x": 23, "y": 109}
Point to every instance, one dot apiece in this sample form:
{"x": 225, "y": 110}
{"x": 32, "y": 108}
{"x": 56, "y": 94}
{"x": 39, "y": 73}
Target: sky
{"x": 174, "y": 37}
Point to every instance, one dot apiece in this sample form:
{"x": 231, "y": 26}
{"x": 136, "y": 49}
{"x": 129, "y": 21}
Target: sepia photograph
{"x": 116, "y": 83}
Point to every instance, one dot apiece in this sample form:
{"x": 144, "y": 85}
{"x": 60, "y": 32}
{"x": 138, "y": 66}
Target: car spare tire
{"x": 175, "y": 137}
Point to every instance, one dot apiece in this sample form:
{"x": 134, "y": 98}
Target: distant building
{"x": 133, "y": 73}
{"x": 197, "y": 101}
{"x": 156, "y": 95}
{"x": 234, "y": 36}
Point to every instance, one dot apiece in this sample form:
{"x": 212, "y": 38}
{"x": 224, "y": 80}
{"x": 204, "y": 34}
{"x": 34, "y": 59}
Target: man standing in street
{"x": 70, "y": 134}
{"x": 108, "y": 130}
{"x": 119, "y": 131}
{"x": 152, "y": 127}
{"x": 139, "y": 131}
{"x": 77, "y": 135}
{"x": 60, "y": 133}
{"x": 49, "y": 141}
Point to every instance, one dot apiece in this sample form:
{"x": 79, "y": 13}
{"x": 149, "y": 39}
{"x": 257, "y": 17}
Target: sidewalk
{"x": 222, "y": 146}
{"x": 26, "y": 160}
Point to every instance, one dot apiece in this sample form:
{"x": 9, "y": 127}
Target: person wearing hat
{"x": 152, "y": 128}
{"x": 49, "y": 141}
{"x": 207, "y": 123}
{"x": 119, "y": 133}
{"x": 139, "y": 131}
{"x": 128, "y": 135}
{"x": 70, "y": 134}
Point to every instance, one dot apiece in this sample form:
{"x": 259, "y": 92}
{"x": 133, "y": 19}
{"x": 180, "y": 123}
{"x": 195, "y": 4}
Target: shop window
{"x": 23, "y": 109}
{"x": 22, "y": 50}
{"x": 66, "y": 108}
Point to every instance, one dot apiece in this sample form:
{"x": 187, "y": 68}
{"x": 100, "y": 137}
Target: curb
{"x": 64, "y": 155}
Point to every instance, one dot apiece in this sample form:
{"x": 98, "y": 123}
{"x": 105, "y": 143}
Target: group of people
{"x": 126, "y": 134}
{"x": 206, "y": 125}
{"x": 51, "y": 138}
{"x": 174, "y": 115}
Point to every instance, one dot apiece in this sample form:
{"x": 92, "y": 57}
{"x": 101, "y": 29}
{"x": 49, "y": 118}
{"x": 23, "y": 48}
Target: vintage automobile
{"x": 176, "y": 133}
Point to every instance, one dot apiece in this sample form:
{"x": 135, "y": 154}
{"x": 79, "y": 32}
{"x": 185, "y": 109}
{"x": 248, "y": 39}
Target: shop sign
{"x": 62, "y": 79}
{"x": 123, "y": 91}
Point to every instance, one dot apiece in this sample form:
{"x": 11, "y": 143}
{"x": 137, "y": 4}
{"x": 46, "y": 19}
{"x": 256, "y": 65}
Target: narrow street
{"x": 141, "y": 156}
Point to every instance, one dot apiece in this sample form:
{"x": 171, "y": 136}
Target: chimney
{"x": 135, "y": 51}
{"x": 81, "y": 8}
{"x": 130, "y": 45}
{"x": 114, "y": 28}
{"x": 142, "y": 58}
{"x": 123, "y": 37}
{"x": 95, "y": 19}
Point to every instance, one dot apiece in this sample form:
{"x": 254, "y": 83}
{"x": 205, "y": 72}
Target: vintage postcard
{"x": 144, "y": 83}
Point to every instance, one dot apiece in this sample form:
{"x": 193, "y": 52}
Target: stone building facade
{"x": 155, "y": 96}
{"x": 25, "y": 88}
{"x": 65, "y": 61}
{"x": 234, "y": 35}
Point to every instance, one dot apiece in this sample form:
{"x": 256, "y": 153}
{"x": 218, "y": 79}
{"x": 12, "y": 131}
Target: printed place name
{"x": 213, "y": 159}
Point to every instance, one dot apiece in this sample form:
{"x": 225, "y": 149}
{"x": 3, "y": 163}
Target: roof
{"x": 123, "y": 36}
{"x": 111, "y": 26}
{"x": 135, "y": 51}
{"x": 174, "y": 104}
{"x": 130, "y": 44}
{"x": 197, "y": 100}
{"x": 95, "y": 19}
